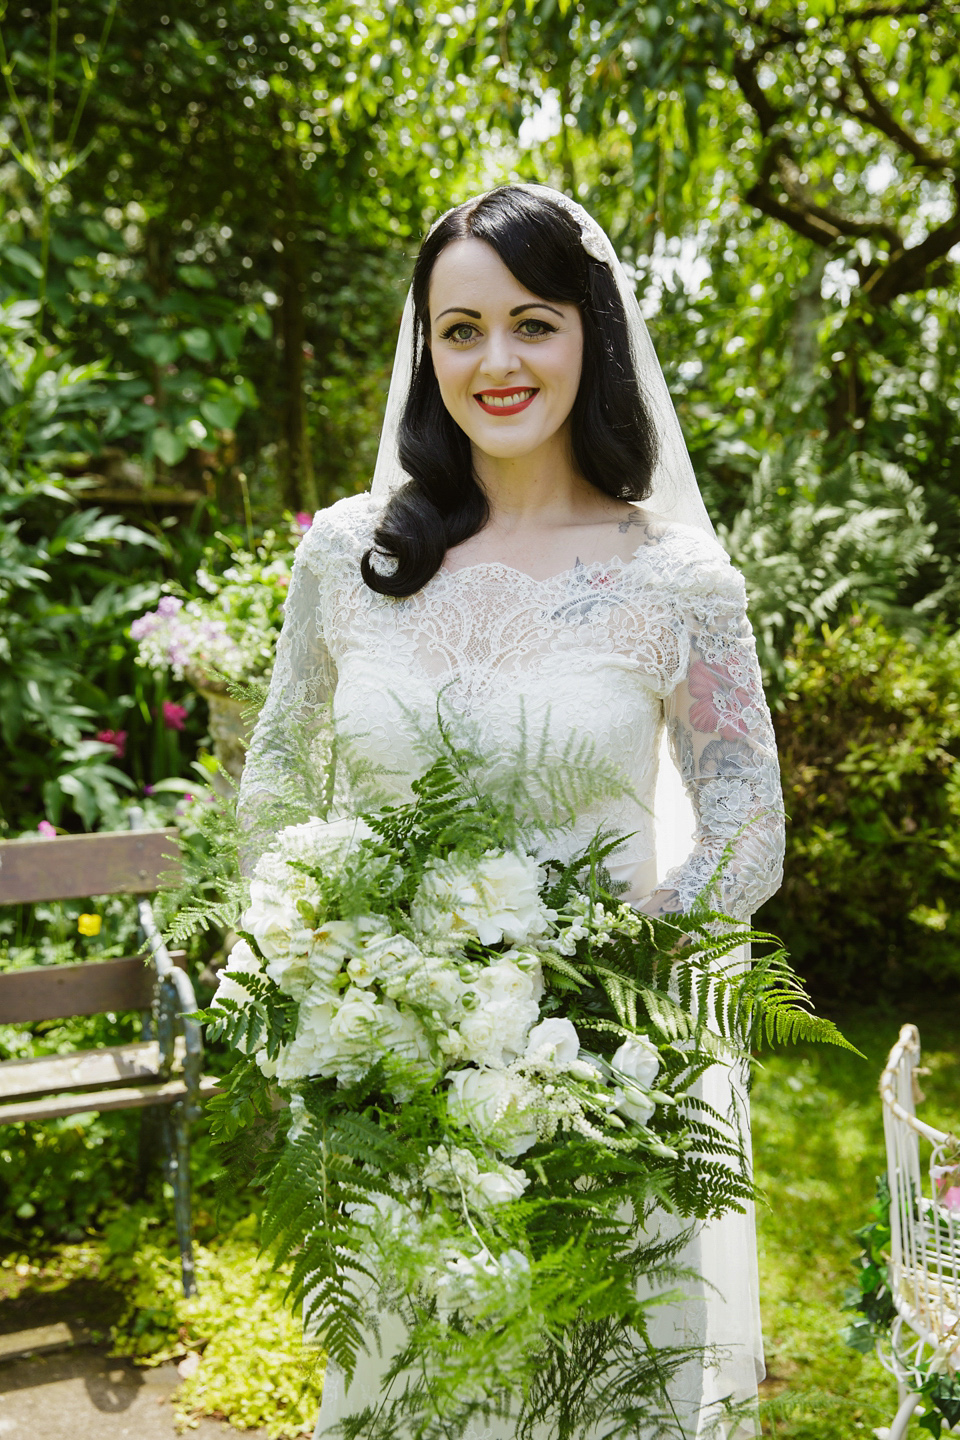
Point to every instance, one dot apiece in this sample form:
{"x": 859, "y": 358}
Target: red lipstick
{"x": 501, "y": 402}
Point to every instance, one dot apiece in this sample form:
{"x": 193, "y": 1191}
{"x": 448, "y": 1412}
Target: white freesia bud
{"x": 555, "y": 1042}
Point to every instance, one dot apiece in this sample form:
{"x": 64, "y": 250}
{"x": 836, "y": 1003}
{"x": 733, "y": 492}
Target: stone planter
{"x": 230, "y": 734}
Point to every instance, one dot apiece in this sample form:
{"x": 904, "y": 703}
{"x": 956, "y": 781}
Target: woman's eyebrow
{"x": 517, "y": 310}
{"x": 536, "y": 305}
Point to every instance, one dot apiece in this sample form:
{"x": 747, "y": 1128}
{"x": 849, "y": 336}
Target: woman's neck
{"x": 539, "y": 490}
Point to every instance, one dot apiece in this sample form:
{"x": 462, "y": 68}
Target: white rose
{"x": 637, "y": 1060}
{"x": 356, "y": 1021}
{"x": 497, "y": 1187}
{"x": 494, "y": 1104}
{"x": 506, "y": 980}
{"x": 480, "y": 1034}
{"x": 554, "y": 1041}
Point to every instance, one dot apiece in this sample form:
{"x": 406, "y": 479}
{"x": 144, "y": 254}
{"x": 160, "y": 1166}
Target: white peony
{"x": 494, "y": 898}
{"x": 242, "y": 961}
{"x": 555, "y": 1042}
{"x": 496, "y": 1106}
{"x": 638, "y": 1061}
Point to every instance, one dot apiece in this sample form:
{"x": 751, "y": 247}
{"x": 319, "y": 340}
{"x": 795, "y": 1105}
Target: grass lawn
{"x": 818, "y": 1138}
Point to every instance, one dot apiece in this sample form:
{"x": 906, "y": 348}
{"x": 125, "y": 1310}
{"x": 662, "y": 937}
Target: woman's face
{"x": 507, "y": 362}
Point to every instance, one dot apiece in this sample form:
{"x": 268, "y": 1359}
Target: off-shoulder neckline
{"x": 585, "y": 570}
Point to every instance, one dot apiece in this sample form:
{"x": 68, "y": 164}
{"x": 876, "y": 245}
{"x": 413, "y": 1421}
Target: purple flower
{"x": 174, "y": 715}
{"x": 169, "y": 605}
{"x": 47, "y": 830}
{"x": 148, "y": 789}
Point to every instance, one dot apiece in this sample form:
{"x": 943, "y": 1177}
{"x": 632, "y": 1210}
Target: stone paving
{"x": 82, "y": 1394}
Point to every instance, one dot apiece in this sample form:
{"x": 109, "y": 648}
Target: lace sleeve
{"x": 288, "y": 757}
{"x": 721, "y": 738}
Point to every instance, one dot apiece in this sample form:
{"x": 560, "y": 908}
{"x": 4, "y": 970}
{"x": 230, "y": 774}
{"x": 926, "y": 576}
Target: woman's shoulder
{"x": 688, "y": 558}
{"x": 342, "y": 529}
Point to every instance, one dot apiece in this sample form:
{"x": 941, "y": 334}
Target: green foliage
{"x": 254, "y": 1370}
{"x": 356, "y": 1147}
{"x": 869, "y": 738}
{"x": 812, "y": 545}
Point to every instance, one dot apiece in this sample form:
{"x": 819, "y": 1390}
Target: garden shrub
{"x": 869, "y": 736}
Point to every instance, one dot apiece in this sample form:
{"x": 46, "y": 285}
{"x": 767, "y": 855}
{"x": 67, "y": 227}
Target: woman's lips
{"x": 505, "y": 402}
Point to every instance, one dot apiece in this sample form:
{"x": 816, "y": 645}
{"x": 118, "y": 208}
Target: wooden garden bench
{"x": 164, "y": 1067}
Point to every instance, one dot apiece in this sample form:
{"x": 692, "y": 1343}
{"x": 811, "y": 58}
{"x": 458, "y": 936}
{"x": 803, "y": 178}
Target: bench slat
{"x": 131, "y": 1097}
{"x": 54, "y": 992}
{"x": 71, "y": 867}
{"x": 85, "y": 1069}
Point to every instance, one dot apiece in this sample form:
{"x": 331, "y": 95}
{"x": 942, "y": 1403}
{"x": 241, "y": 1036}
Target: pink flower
{"x": 950, "y": 1199}
{"x": 148, "y": 789}
{"x": 174, "y": 715}
{"x": 47, "y": 830}
{"x": 304, "y": 520}
{"x": 116, "y": 738}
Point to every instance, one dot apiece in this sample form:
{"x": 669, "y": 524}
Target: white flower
{"x": 312, "y": 1050}
{"x": 638, "y": 1061}
{"x": 242, "y": 961}
{"x": 495, "y": 1104}
{"x": 314, "y": 839}
{"x": 555, "y": 1041}
{"x": 357, "y": 1021}
{"x": 458, "y": 1171}
{"x": 402, "y": 1036}
{"x": 495, "y": 897}
{"x": 273, "y": 920}
{"x": 498, "y": 1187}
{"x": 469, "y": 1283}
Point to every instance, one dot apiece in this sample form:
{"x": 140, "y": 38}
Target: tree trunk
{"x": 297, "y": 479}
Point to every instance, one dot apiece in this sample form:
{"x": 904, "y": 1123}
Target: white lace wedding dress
{"x": 612, "y": 652}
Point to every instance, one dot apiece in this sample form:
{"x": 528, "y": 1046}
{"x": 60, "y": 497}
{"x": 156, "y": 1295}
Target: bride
{"x": 535, "y": 555}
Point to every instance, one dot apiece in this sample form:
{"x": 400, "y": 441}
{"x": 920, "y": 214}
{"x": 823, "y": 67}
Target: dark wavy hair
{"x": 614, "y": 443}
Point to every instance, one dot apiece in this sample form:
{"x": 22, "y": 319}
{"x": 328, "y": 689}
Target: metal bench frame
{"x": 924, "y": 1269}
{"x": 163, "y": 1068}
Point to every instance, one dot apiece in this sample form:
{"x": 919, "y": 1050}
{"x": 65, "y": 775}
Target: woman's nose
{"x": 500, "y": 356}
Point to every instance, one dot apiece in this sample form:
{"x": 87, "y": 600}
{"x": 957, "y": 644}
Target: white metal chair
{"x": 924, "y": 1270}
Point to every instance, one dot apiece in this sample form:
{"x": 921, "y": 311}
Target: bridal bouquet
{"x": 492, "y": 1067}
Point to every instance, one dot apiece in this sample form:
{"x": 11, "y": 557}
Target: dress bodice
{"x": 585, "y": 667}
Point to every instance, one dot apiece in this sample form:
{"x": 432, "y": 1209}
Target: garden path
{"x": 82, "y": 1394}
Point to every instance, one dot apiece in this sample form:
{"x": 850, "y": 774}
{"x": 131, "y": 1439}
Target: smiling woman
{"x": 524, "y": 428}
{"x": 502, "y": 577}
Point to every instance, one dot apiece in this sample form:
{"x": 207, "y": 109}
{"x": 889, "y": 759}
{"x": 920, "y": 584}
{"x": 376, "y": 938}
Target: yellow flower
{"x": 89, "y": 924}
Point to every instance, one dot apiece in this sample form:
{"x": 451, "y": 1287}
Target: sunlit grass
{"x": 818, "y": 1137}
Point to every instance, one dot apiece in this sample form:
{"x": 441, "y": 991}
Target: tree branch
{"x": 878, "y": 115}
{"x": 916, "y": 268}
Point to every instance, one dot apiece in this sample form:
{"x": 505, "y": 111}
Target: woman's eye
{"x": 459, "y": 334}
{"x": 537, "y": 328}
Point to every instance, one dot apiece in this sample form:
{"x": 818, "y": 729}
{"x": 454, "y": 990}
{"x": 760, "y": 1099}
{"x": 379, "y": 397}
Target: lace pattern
{"x": 610, "y": 652}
